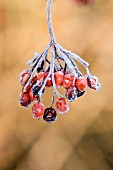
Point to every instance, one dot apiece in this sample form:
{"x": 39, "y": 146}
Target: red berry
{"x": 68, "y": 80}
{"x": 93, "y": 83}
{"x": 34, "y": 80}
{"x": 50, "y": 115}
{"x": 62, "y": 105}
{"x": 46, "y": 74}
{"x": 38, "y": 110}
{"x": 49, "y": 82}
{"x": 24, "y": 76}
{"x": 32, "y": 96}
{"x": 71, "y": 94}
{"x": 41, "y": 76}
{"x": 24, "y": 99}
{"x": 81, "y": 83}
{"x": 59, "y": 78}
{"x": 28, "y": 88}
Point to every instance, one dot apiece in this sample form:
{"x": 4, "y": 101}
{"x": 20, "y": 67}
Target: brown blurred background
{"x": 82, "y": 139}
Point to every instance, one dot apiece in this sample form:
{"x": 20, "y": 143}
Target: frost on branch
{"x": 60, "y": 70}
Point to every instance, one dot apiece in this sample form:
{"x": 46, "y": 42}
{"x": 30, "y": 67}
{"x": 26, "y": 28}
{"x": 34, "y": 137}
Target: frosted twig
{"x": 60, "y": 70}
{"x": 75, "y": 56}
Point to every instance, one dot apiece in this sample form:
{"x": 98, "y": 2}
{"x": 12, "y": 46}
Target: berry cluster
{"x": 60, "y": 70}
{"x": 75, "y": 87}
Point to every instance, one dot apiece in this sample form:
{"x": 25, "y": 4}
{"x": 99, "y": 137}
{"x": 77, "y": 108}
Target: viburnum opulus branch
{"x": 60, "y": 70}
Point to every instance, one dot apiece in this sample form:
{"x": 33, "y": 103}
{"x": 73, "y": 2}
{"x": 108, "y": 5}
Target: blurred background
{"x": 82, "y": 139}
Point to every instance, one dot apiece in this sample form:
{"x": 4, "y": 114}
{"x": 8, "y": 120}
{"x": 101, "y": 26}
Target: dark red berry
{"x": 59, "y": 75}
{"x": 71, "y": 94}
{"x": 24, "y": 99}
{"x": 50, "y": 115}
{"x": 81, "y": 83}
{"x": 68, "y": 80}
{"x": 62, "y": 105}
{"x": 38, "y": 110}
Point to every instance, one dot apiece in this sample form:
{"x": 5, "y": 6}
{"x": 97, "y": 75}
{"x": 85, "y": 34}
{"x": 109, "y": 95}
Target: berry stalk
{"x": 60, "y": 71}
{"x": 49, "y": 21}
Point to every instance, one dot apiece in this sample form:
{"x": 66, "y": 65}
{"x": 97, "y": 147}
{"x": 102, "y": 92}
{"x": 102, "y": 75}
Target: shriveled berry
{"x": 93, "y": 83}
{"x": 38, "y": 110}
{"x": 79, "y": 93}
{"x": 32, "y": 96}
{"x": 81, "y": 83}
{"x": 24, "y": 76}
{"x": 68, "y": 80}
{"x": 62, "y": 105}
{"x": 50, "y": 115}
{"x": 71, "y": 94}
{"x": 24, "y": 99}
{"x": 59, "y": 75}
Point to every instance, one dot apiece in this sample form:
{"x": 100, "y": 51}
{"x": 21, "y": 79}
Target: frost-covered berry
{"x": 24, "y": 99}
{"x": 81, "y": 83}
{"x": 62, "y": 105}
{"x": 93, "y": 83}
{"x": 50, "y": 115}
{"x": 41, "y": 76}
{"x": 68, "y": 80}
{"x": 71, "y": 94}
{"x": 24, "y": 76}
{"x": 38, "y": 110}
{"x": 59, "y": 75}
{"x": 49, "y": 82}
